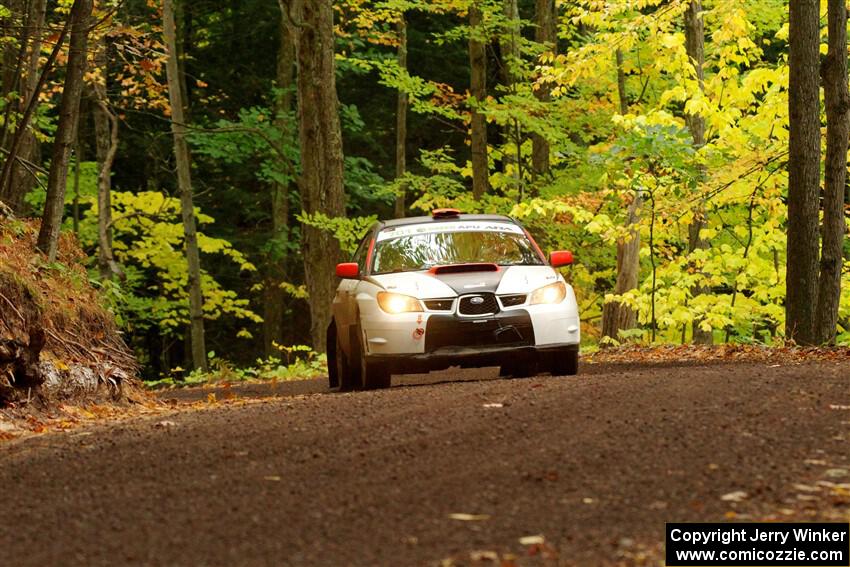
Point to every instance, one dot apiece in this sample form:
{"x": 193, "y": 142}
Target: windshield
{"x": 413, "y": 252}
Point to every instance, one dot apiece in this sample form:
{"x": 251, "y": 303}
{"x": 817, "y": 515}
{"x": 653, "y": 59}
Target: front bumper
{"x": 471, "y": 357}
{"x": 407, "y": 334}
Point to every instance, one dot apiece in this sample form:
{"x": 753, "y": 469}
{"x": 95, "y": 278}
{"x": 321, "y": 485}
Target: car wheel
{"x": 371, "y": 375}
{"x": 333, "y": 356}
{"x": 564, "y": 363}
{"x": 374, "y": 375}
{"x": 522, "y": 369}
{"x": 345, "y": 376}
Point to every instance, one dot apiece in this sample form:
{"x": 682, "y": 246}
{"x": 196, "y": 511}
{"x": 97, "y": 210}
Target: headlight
{"x": 549, "y": 294}
{"x": 398, "y": 303}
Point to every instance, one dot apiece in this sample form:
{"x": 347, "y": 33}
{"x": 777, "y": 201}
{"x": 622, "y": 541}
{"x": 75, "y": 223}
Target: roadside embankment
{"x": 58, "y": 341}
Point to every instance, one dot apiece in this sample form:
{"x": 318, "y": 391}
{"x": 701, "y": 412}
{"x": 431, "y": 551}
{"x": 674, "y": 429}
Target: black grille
{"x": 508, "y": 328}
{"x": 478, "y": 304}
{"x": 512, "y": 300}
{"x": 439, "y": 304}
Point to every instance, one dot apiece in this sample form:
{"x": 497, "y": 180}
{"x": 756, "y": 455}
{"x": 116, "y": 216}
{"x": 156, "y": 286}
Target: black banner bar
{"x": 758, "y": 544}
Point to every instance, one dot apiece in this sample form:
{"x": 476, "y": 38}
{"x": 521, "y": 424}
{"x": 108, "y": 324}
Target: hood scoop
{"x": 463, "y": 269}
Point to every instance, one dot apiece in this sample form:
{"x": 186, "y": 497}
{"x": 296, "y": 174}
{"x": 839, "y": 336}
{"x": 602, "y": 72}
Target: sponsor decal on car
{"x": 436, "y": 228}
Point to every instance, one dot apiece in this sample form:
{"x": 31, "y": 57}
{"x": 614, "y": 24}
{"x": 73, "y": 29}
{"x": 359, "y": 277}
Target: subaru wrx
{"x": 427, "y": 293}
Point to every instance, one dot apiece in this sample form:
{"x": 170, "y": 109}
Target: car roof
{"x": 428, "y": 220}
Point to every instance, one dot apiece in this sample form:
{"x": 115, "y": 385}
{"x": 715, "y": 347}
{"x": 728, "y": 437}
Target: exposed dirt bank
{"x": 57, "y": 341}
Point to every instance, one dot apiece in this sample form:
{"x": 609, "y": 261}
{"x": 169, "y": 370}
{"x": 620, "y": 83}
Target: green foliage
{"x": 296, "y": 362}
{"x": 148, "y": 241}
{"x": 348, "y": 231}
{"x": 603, "y": 157}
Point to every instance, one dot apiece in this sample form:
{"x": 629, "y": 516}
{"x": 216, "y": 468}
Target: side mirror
{"x": 348, "y": 270}
{"x": 560, "y": 258}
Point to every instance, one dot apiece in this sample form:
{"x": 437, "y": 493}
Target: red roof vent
{"x": 445, "y": 213}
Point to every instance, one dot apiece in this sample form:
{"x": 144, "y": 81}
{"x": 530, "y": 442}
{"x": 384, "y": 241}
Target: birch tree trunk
{"x": 478, "y": 91}
{"x": 184, "y": 181}
{"x": 401, "y": 119}
{"x": 837, "y": 101}
{"x": 803, "y": 171}
{"x": 321, "y": 182}
{"x": 66, "y": 130}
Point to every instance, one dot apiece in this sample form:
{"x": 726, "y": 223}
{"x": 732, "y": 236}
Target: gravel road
{"x": 454, "y": 466}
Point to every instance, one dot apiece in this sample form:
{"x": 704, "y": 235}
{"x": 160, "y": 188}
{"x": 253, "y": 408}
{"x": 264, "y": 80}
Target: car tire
{"x": 333, "y": 356}
{"x": 564, "y": 363}
{"x": 369, "y": 375}
{"x": 346, "y": 378}
{"x": 374, "y": 375}
{"x": 522, "y": 369}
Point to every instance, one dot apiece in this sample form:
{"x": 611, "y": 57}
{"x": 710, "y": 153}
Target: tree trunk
{"x": 15, "y": 26}
{"x": 837, "y": 101}
{"x": 106, "y": 146}
{"x": 621, "y": 83}
{"x": 546, "y": 33}
{"x": 478, "y": 92}
{"x": 12, "y": 153}
{"x": 66, "y": 129}
{"x": 803, "y": 172}
{"x": 274, "y": 304}
{"x": 105, "y": 258}
{"x": 184, "y": 180}
{"x": 511, "y": 55}
{"x": 695, "y": 46}
{"x": 401, "y": 119}
{"x": 616, "y": 316}
{"x": 321, "y": 181}
{"x": 21, "y": 179}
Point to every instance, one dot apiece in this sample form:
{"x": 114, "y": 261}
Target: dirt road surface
{"x": 454, "y": 466}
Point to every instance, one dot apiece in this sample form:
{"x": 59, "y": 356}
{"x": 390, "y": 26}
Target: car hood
{"x": 507, "y": 280}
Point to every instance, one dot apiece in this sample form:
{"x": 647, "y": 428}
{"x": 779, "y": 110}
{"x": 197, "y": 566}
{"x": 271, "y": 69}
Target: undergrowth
{"x": 296, "y": 362}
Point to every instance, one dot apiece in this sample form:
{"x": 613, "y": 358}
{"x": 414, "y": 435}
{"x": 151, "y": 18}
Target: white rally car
{"x": 427, "y": 293}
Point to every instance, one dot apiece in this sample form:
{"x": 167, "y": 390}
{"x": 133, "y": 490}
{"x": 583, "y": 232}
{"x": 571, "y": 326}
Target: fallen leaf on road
{"x": 838, "y": 407}
{"x": 737, "y": 496}
{"x": 588, "y": 500}
{"x": 531, "y": 540}
{"x": 165, "y": 423}
{"x": 494, "y": 405}
{"x": 836, "y": 473}
{"x": 484, "y": 556}
{"x": 272, "y": 478}
{"x": 469, "y": 517}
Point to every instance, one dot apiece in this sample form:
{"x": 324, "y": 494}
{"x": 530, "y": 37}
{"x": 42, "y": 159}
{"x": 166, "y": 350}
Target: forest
{"x": 215, "y": 159}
